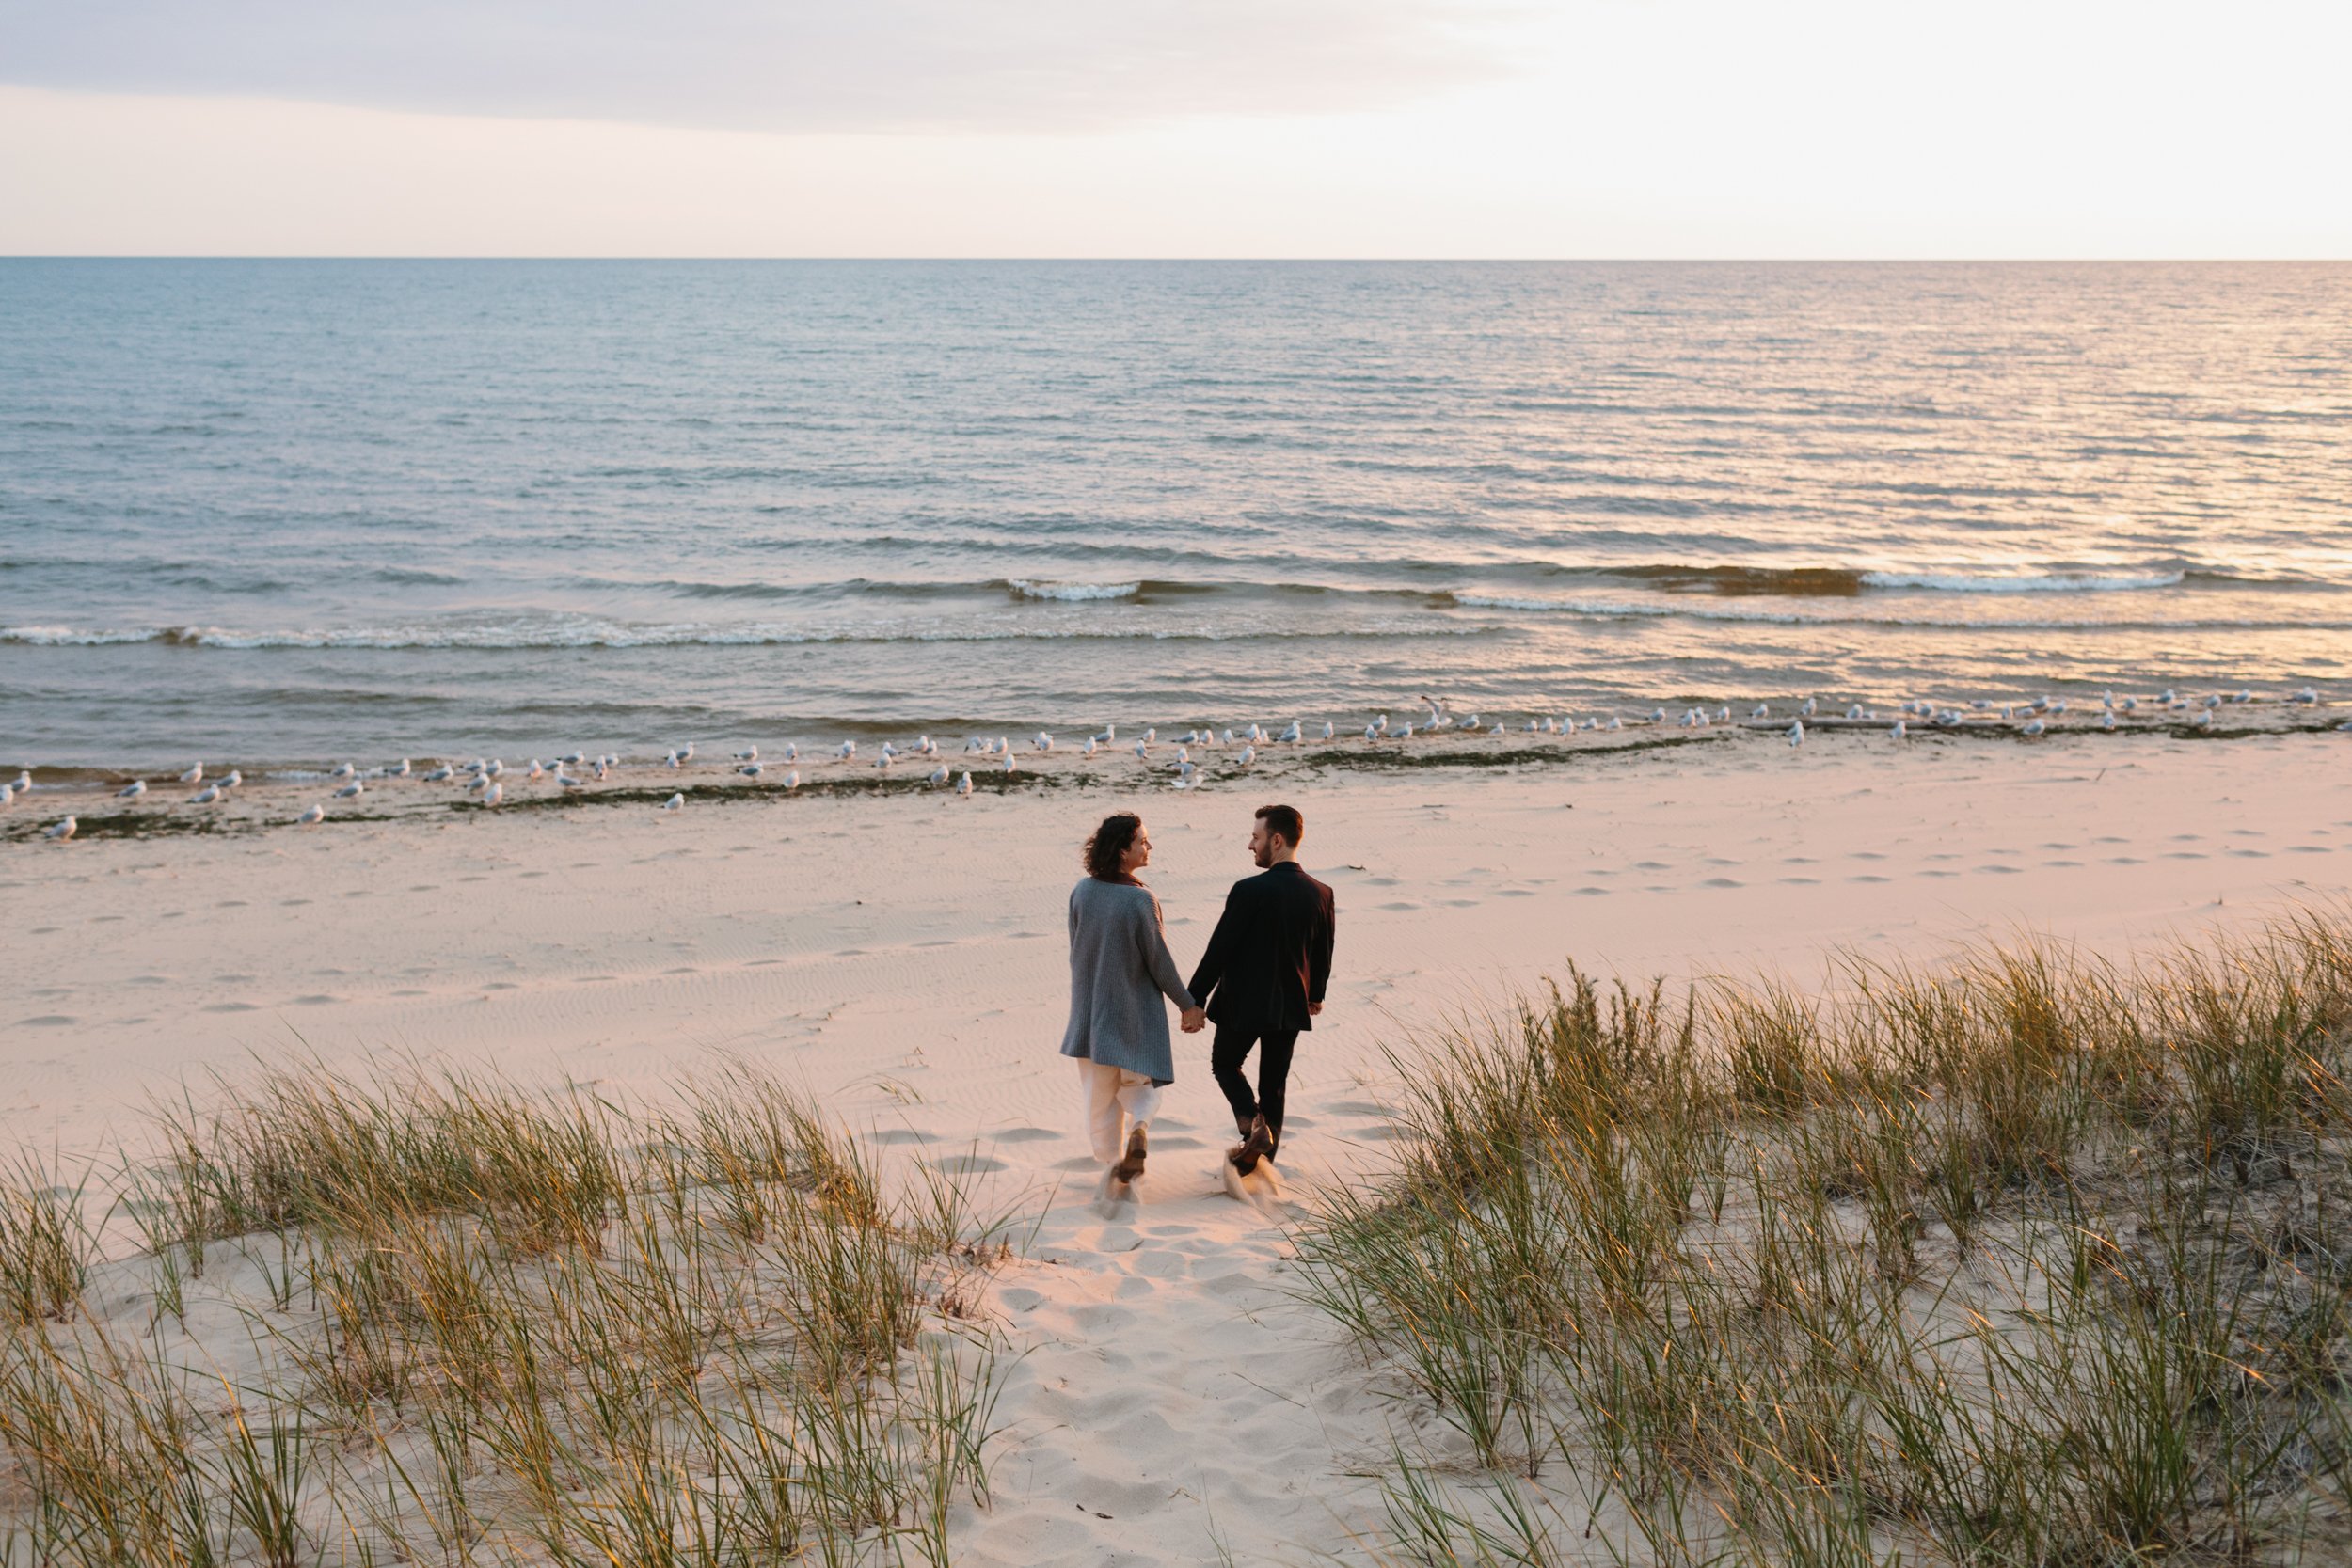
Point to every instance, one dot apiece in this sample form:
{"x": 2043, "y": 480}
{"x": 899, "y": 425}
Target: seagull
{"x": 2204, "y": 719}
{"x": 476, "y": 766}
{"x": 675, "y": 802}
{"x": 674, "y": 760}
{"x": 1498, "y": 729}
{"x": 2131, "y": 704}
{"x": 206, "y": 796}
{"x": 1093, "y": 745}
{"x": 1381, "y": 724}
{"x": 1658, "y": 716}
{"x": 573, "y": 759}
{"x": 1761, "y": 712}
{"x": 2033, "y": 726}
{"x": 441, "y": 774}
{"x": 2106, "y": 721}
{"x": 1294, "y": 735}
{"x": 1796, "y": 733}
{"x": 193, "y": 775}
{"x": 601, "y": 770}
{"x": 481, "y": 781}
{"x": 1110, "y": 733}
{"x": 492, "y": 795}
{"x": 63, "y": 829}
{"x": 2309, "y": 697}
{"x": 1805, "y": 711}
{"x": 1405, "y": 733}
{"x": 1143, "y": 749}
{"x": 1855, "y": 712}
{"x": 1983, "y": 704}
{"x": 792, "y": 780}
{"x": 887, "y": 757}
{"x": 1042, "y": 742}
{"x": 749, "y": 754}
{"x": 1473, "y": 722}
{"x": 2345, "y": 728}
{"x": 536, "y": 770}
{"x": 2169, "y": 696}
{"x": 131, "y": 791}
{"x": 351, "y": 791}
{"x": 313, "y": 817}
{"x": 2243, "y": 696}
{"x": 400, "y": 772}
{"x": 1900, "y": 731}
{"x": 1327, "y": 729}
{"x": 2058, "y": 704}
{"x": 495, "y": 768}
{"x": 938, "y": 776}
{"x": 963, "y": 786}
{"x": 1248, "y": 756}
{"x": 343, "y": 770}
{"x": 566, "y": 781}
{"x": 685, "y": 753}
{"x": 750, "y": 771}
{"x": 1009, "y": 764}
{"x": 233, "y": 780}
{"x": 847, "y": 750}
{"x": 1371, "y": 732}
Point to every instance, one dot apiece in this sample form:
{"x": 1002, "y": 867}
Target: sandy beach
{"x": 902, "y": 955}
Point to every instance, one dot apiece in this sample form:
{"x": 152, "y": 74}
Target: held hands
{"x": 1315, "y": 1009}
{"x": 1194, "y": 1020}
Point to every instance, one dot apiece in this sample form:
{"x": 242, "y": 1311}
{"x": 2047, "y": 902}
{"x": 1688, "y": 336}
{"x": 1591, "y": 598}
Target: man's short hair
{"x": 1284, "y": 820}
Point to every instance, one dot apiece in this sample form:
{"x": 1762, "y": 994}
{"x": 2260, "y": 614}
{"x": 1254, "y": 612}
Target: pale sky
{"x": 1501, "y": 128}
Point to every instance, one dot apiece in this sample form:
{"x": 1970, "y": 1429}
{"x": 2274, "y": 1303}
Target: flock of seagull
{"x": 486, "y": 779}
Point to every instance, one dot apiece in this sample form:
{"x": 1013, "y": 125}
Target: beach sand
{"x": 904, "y": 956}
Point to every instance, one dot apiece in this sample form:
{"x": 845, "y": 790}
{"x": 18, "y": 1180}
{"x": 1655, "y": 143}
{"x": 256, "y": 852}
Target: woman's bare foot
{"x": 1132, "y": 1165}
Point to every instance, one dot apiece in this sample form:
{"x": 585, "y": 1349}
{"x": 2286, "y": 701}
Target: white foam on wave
{"x": 1076, "y": 593}
{"x": 1608, "y": 610}
{"x": 2051, "y": 582}
{"x": 610, "y": 635}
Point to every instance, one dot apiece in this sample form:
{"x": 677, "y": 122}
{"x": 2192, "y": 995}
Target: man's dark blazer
{"x": 1271, "y": 952}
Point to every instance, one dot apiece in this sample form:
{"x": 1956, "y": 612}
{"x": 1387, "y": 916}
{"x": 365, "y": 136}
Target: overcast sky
{"x": 1151, "y": 127}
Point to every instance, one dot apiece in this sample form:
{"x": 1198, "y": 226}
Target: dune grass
{"x": 446, "y": 1319}
{"x": 2022, "y": 1258}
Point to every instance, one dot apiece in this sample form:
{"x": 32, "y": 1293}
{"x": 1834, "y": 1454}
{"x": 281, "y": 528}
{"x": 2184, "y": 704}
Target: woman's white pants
{"x": 1114, "y": 1096}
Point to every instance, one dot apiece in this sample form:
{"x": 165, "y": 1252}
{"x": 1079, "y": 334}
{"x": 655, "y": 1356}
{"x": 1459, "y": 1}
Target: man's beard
{"x": 1263, "y": 856}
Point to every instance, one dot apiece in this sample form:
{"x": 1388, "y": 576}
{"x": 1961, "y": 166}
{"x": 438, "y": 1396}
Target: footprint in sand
{"x": 967, "y": 1165}
{"x": 906, "y": 1135}
{"x": 1722, "y": 881}
{"x": 1401, "y": 906}
{"x": 1865, "y": 878}
{"x": 1024, "y": 1135}
{"x": 232, "y": 1007}
{"x": 47, "y": 1020}
{"x": 1352, "y": 1108}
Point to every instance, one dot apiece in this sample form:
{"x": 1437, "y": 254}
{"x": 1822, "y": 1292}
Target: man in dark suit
{"x": 1263, "y": 978}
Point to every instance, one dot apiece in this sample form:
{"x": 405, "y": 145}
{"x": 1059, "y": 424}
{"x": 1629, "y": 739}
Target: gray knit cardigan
{"x": 1120, "y": 968}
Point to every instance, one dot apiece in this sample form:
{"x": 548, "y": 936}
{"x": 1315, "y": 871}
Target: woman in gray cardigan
{"x": 1120, "y": 968}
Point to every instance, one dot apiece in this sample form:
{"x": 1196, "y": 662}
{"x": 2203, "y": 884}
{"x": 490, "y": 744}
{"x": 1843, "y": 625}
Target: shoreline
{"x": 274, "y": 792}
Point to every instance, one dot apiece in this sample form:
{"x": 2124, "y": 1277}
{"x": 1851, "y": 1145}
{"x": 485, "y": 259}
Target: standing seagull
{"x": 132, "y": 791}
{"x": 193, "y": 775}
{"x": 675, "y": 802}
{"x": 206, "y": 796}
{"x": 63, "y": 829}
{"x": 963, "y": 786}
{"x": 1796, "y": 733}
{"x": 355, "y": 788}
{"x": 492, "y": 795}
{"x": 313, "y": 817}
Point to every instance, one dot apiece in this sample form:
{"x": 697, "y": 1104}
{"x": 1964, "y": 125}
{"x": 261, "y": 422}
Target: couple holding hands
{"x": 1261, "y": 983}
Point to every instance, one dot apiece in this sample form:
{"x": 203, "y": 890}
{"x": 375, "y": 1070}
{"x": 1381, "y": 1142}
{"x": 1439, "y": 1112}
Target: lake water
{"x": 282, "y": 512}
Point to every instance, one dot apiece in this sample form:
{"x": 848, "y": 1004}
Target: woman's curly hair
{"x": 1108, "y": 844}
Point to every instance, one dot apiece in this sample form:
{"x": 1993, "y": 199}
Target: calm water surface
{"x": 286, "y": 511}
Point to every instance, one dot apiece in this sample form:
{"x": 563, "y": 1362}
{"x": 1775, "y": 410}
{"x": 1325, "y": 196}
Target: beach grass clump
{"x": 448, "y": 1318}
{"x": 2024, "y": 1257}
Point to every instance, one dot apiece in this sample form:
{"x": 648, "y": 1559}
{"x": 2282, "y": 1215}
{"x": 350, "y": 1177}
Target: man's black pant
{"x": 1225, "y": 1056}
